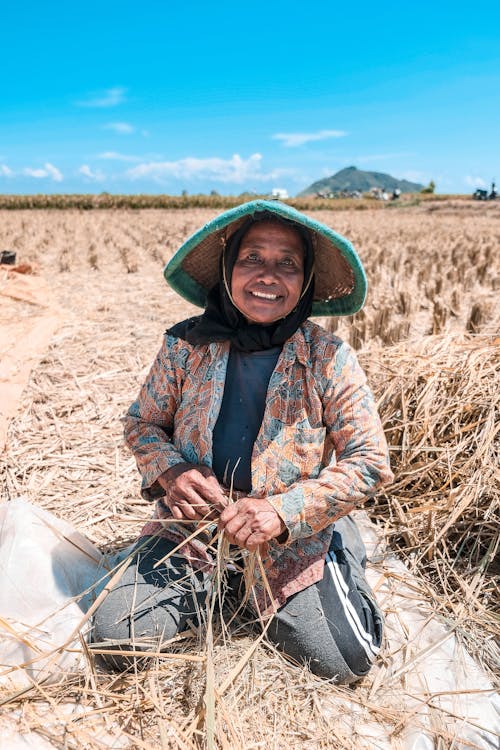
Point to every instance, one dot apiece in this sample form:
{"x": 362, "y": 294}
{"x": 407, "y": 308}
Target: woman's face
{"x": 268, "y": 273}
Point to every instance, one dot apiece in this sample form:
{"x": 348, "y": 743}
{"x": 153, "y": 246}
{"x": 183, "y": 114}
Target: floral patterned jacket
{"x": 320, "y": 451}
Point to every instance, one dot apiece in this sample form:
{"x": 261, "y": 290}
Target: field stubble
{"x": 427, "y": 340}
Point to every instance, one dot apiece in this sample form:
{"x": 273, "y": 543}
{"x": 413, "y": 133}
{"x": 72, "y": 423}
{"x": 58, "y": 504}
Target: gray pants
{"x": 333, "y": 626}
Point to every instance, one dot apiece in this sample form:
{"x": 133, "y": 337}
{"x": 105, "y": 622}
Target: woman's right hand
{"x": 192, "y": 492}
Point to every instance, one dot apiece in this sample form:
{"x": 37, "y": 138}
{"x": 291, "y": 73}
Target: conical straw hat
{"x": 340, "y": 281}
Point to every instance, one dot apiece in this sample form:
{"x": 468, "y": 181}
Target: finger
{"x": 229, "y": 512}
{"x": 238, "y": 531}
{"x": 187, "y": 495}
{"x": 178, "y": 508}
{"x": 174, "y": 508}
{"x": 210, "y": 490}
{"x": 235, "y": 526}
{"x": 244, "y": 507}
{"x": 188, "y": 510}
{"x": 206, "y": 487}
{"x": 252, "y": 543}
{"x": 185, "y": 507}
{"x": 175, "y": 511}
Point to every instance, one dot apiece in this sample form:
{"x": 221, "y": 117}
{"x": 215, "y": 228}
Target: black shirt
{"x": 241, "y": 415}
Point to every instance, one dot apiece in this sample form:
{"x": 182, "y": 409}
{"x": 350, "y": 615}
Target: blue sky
{"x": 161, "y": 97}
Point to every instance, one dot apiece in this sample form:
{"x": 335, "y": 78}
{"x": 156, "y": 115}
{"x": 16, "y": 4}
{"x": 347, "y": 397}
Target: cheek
{"x": 236, "y": 284}
{"x": 296, "y": 288}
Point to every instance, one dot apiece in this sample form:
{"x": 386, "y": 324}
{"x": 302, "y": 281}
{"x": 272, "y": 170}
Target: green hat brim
{"x": 340, "y": 280}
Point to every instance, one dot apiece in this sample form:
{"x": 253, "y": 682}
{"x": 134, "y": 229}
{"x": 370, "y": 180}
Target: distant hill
{"x": 352, "y": 178}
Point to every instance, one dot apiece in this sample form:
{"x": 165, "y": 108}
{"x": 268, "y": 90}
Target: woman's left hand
{"x": 250, "y": 522}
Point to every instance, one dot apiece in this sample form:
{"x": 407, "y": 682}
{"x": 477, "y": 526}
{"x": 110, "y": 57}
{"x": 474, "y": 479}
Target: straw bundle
{"x": 439, "y": 403}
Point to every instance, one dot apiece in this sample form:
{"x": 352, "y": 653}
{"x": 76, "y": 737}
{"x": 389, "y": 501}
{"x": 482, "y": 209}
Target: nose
{"x": 267, "y": 273}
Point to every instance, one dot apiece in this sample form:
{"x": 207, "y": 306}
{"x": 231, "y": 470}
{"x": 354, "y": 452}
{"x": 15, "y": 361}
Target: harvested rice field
{"x": 77, "y": 336}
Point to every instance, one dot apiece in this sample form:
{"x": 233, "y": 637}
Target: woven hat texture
{"x": 340, "y": 281}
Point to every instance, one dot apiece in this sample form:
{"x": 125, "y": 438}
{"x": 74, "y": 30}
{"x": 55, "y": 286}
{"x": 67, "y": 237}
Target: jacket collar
{"x": 296, "y": 347}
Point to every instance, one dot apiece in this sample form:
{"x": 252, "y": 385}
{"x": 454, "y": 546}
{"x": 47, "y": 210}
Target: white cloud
{"x": 109, "y": 98}
{"x": 475, "y": 182}
{"x": 53, "y": 172}
{"x": 96, "y": 175}
{"x": 123, "y": 128}
{"x": 298, "y": 139}
{"x": 235, "y": 170}
{"x": 35, "y": 172}
{"x": 48, "y": 171}
{"x": 115, "y": 155}
{"x": 5, "y": 171}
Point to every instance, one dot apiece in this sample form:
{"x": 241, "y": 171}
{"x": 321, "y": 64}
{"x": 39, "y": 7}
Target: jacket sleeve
{"x": 359, "y": 461}
{"x": 149, "y": 423}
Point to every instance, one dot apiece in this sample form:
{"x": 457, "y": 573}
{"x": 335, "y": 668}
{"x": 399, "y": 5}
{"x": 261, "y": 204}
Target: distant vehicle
{"x": 480, "y": 195}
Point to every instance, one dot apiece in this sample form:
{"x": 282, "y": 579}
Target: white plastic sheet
{"x": 427, "y": 670}
{"x": 47, "y": 573}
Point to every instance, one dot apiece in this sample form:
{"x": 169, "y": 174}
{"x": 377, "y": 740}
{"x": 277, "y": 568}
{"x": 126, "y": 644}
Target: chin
{"x": 261, "y": 314}
{"x": 262, "y": 321}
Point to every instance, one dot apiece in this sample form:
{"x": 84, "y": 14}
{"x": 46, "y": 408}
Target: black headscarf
{"x": 222, "y": 321}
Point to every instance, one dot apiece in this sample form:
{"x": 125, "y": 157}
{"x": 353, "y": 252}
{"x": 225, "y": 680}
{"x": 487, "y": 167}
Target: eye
{"x": 249, "y": 257}
{"x": 289, "y": 263}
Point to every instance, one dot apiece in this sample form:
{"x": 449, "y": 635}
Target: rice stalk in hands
{"x": 205, "y": 720}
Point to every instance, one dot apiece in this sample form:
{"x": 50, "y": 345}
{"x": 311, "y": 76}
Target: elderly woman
{"x": 259, "y": 421}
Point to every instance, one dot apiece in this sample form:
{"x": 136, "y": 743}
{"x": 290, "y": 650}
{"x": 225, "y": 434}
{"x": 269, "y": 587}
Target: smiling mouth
{"x": 266, "y": 295}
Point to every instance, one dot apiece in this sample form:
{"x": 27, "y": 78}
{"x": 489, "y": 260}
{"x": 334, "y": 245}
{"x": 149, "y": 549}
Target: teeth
{"x": 263, "y": 295}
